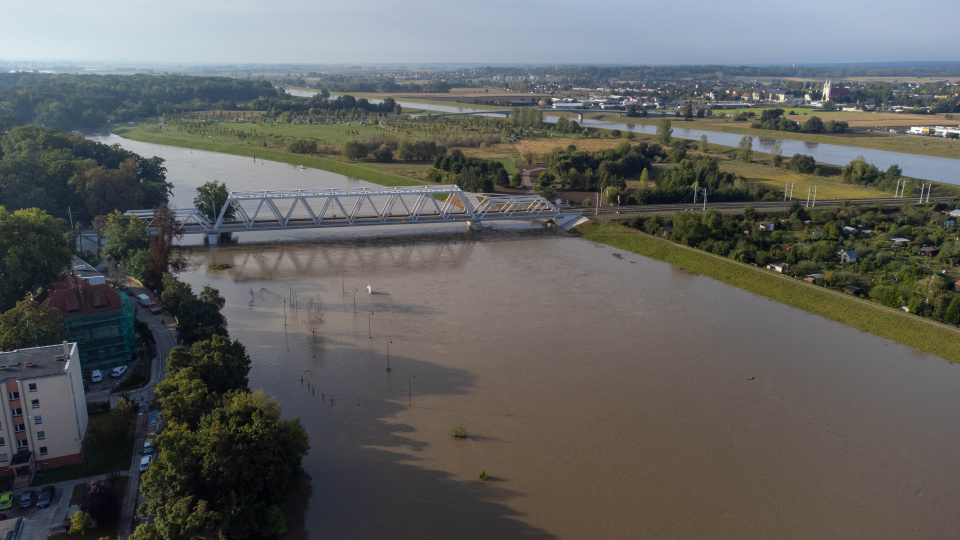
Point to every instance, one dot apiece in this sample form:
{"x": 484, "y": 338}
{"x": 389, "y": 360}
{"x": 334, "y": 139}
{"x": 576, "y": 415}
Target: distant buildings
{"x": 44, "y": 417}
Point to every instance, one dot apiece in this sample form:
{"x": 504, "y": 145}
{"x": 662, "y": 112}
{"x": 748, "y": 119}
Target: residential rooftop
{"x": 35, "y": 362}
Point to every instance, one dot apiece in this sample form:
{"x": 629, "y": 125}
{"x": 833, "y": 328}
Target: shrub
{"x": 483, "y": 475}
{"x": 383, "y": 154}
{"x": 354, "y": 150}
{"x": 459, "y": 431}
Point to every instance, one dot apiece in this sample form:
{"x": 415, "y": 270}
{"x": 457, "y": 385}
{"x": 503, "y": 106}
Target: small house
{"x": 850, "y": 230}
{"x": 900, "y": 241}
{"x": 778, "y": 266}
{"x": 929, "y": 251}
{"x": 667, "y": 230}
{"x": 950, "y": 223}
{"x": 853, "y": 291}
{"x": 956, "y": 286}
{"x": 815, "y": 234}
{"x": 955, "y": 213}
{"x": 765, "y": 226}
{"x": 812, "y": 278}
{"x": 848, "y": 256}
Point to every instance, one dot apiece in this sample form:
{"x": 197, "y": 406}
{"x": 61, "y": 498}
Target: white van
{"x": 144, "y": 300}
{"x": 96, "y": 376}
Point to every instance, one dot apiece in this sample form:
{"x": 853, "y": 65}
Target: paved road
{"x": 164, "y": 331}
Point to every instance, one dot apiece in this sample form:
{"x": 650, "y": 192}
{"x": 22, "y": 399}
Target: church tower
{"x": 826, "y": 90}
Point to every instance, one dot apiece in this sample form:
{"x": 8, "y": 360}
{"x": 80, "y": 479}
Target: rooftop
{"x": 34, "y": 362}
{"x": 74, "y": 296}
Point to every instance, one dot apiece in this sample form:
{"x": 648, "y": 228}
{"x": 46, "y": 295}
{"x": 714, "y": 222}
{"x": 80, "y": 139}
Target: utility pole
{"x": 785, "y": 188}
{"x": 814, "y": 196}
{"x": 922, "y": 185}
{"x": 792, "y": 186}
{"x": 696, "y": 188}
{"x": 704, "y": 199}
{"x": 599, "y": 191}
{"x": 808, "y": 198}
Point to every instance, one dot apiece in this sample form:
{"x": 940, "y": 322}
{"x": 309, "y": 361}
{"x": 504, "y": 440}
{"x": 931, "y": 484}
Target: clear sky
{"x": 481, "y": 31}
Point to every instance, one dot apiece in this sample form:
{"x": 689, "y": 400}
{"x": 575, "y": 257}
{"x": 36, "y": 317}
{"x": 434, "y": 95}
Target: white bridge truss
{"x": 351, "y": 207}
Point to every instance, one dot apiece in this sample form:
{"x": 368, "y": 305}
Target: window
{"x": 32, "y": 387}
{"x": 43, "y": 450}
{"x": 23, "y": 444}
{"x": 19, "y": 428}
{"x": 17, "y": 412}
{"x": 3, "y": 457}
{"x": 41, "y": 435}
{"x": 2, "y": 442}
{"x": 14, "y": 395}
{"x": 35, "y": 403}
{"x": 37, "y": 419}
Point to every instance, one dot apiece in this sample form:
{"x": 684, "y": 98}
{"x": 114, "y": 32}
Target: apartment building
{"x": 44, "y": 415}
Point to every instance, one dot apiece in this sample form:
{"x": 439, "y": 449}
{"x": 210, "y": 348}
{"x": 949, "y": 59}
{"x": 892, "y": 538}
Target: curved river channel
{"x": 938, "y": 169}
{"x": 606, "y": 395}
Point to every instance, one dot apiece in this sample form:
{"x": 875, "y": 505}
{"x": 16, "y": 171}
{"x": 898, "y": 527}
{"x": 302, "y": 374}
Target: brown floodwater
{"x": 606, "y": 395}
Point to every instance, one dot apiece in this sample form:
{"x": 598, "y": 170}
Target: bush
{"x": 101, "y": 502}
{"x": 354, "y": 150}
{"x": 459, "y": 431}
{"x": 383, "y": 154}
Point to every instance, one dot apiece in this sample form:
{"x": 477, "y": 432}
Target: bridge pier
{"x": 475, "y": 225}
{"x": 213, "y": 239}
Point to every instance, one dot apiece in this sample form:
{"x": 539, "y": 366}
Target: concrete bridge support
{"x": 475, "y": 225}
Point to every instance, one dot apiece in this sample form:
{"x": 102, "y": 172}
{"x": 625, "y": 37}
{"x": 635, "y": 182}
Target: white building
{"x": 45, "y": 416}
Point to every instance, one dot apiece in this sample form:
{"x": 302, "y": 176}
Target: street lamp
{"x": 369, "y": 332}
{"x": 388, "y": 355}
{"x": 343, "y": 284}
{"x": 355, "y": 300}
{"x": 410, "y": 391}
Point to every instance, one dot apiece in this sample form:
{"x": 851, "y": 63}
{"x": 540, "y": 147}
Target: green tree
{"x": 125, "y": 235}
{"x": 354, "y": 150}
{"x": 102, "y": 502}
{"x": 182, "y": 395}
{"x": 175, "y": 293}
{"x": 33, "y": 252}
{"x": 383, "y": 154}
{"x": 688, "y": 110}
{"x": 80, "y": 522}
{"x": 952, "y": 315}
{"x": 664, "y": 132}
{"x": 211, "y": 199}
{"x": 745, "y": 148}
{"x": 29, "y": 324}
{"x": 221, "y": 364}
{"x": 178, "y": 519}
{"x": 777, "y": 152}
{"x": 163, "y": 259}
{"x": 703, "y": 144}
{"x": 212, "y": 295}
{"x": 198, "y": 320}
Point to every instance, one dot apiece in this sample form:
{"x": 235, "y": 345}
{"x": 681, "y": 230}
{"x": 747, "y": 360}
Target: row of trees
{"x": 47, "y": 169}
{"x": 226, "y": 460}
{"x": 773, "y": 119}
{"x": 473, "y": 175}
{"x": 67, "y": 102}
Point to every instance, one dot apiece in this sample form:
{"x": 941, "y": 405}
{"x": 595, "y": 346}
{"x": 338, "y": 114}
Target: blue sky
{"x": 481, "y": 31}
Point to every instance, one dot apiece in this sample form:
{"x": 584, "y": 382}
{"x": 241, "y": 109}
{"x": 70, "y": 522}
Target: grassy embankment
{"x": 382, "y": 175}
{"x": 923, "y": 335}
{"x": 909, "y": 144}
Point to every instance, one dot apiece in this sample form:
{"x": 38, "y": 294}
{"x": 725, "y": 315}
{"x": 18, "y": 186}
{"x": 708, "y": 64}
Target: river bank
{"x": 921, "y": 334}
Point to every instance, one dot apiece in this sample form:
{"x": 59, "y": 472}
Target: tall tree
{"x": 222, "y": 365}
{"x": 745, "y": 148}
{"x": 211, "y": 199}
{"x": 163, "y": 259}
{"x": 33, "y": 251}
{"x": 664, "y": 131}
{"x": 30, "y": 325}
{"x": 175, "y": 293}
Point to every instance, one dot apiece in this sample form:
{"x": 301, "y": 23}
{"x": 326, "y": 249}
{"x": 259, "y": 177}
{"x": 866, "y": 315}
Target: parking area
{"x": 38, "y": 521}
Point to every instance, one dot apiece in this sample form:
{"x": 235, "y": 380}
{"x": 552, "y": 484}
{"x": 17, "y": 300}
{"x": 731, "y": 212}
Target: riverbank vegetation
{"x": 226, "y": 460}
{"x": 876, "y": 319}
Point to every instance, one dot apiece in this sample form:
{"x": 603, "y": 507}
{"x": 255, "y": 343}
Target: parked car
{"x": 145, "y": 463}
{"x": 46, "y": 496}
{"x": 154, "y": 308}
{"x": 118, "y": 371}
{"x": 147, "y": 448}
{"x": 28, "y": 498}
{"x": 96, "y": 375}
{"x": 6, "y": 500}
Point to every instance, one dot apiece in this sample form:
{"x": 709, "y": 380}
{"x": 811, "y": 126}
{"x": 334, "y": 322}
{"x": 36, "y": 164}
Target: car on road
{"x": 96, "y": 375}
{"x": 46, "y": 496}
{"x": 28, "y": 498}
{"x": 154, "y": 308}
{"x": 145, "y": 463}
{"x": 147, "y": 448}
{"x": 6, "y": 500}
{"x": 118, "y": 371}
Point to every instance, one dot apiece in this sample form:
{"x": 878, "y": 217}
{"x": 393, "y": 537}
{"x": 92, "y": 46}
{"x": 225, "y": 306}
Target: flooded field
{"x": 606, "y": 395}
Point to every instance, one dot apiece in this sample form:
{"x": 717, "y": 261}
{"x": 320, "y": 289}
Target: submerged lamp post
{"x": 388, "y": 355}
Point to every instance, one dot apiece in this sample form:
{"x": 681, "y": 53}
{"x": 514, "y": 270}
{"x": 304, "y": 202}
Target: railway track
{"x": 732, "y": 207}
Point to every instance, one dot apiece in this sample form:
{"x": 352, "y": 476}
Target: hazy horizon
{"x": 482, "y": 33}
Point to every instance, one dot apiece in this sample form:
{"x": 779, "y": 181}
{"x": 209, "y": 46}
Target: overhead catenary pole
{"x": 814, "y": 196}
{"x": 808, "y": 198}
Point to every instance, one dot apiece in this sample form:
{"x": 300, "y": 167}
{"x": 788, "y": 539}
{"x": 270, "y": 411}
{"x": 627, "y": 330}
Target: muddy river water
{"x": 606, "y": 395}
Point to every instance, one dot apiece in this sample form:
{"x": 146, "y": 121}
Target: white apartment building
{"x": 44, "y": 413}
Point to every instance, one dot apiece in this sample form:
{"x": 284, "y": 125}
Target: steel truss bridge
{"x": 352, "y": 207}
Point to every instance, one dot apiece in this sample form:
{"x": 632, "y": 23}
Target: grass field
{"x": 910, "y": 144}
{"x": 827, "y": 187}
{"x": 912, "y": 331}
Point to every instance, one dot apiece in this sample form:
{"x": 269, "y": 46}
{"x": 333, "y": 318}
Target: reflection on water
{"x": 605, "y": 397}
